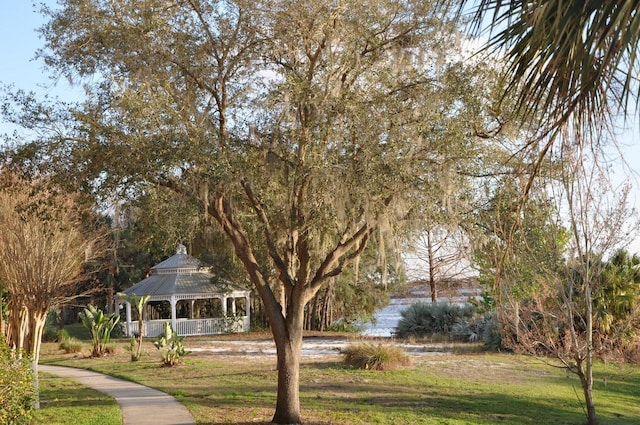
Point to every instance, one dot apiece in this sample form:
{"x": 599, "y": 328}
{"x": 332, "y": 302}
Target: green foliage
{"x": 138, "y": 304}
{"x": 370, "y": 356}
{"x": 17, "y": 394}
{"x": 615, "y": 298}
{"x": 100, "y": 325}
{"x": 71, "y": 345}
{"x": 232, "y": 323}
{"x": 52, "y": 331}
{"x": 574, "y": 42}
{"x": 478, "y": 328}
{"x": 422, "y": 319}
{"x": 521, "y": 246}
{"x": 171, "y": 345}
{"x": 345, "y": 302}
{"x": 346, "y": 326}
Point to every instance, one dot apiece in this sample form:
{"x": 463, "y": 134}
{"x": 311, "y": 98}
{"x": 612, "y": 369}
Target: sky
{"x": 19, "y": 42}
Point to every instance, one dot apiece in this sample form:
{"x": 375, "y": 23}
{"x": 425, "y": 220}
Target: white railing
{"x": 191, "y": 327}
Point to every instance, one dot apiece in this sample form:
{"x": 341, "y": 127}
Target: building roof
{"x": 182, "y": 274}
{"x": 181, "y": 261}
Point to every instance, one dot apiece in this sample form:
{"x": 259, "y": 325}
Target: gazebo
{"x": 185, "y": 293}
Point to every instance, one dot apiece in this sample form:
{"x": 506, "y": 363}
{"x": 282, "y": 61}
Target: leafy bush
{"x": 468, "y": 329}
{"x": 71, "y": 345}
{"x": 171, "y": 344}
{"x": 491, "y": 336}
{"x": 52, "y": 331}
{"x": 375, "y": 357}
{"x": 346, "y": 326}
{"x": 100, "y": 325}
{"x": 17, "y": 394}
{"x": 422, "y": 319}
{"x": 482, "y": 328}
{"x": 232, "y": 323}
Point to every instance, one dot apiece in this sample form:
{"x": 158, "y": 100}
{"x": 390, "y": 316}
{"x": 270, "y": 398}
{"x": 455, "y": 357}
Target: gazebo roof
{"x": 180, "y": 262}
{"x": 182, "y": 274}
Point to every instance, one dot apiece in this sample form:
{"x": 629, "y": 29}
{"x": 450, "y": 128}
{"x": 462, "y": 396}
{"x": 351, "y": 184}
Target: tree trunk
{"x": 288, "y": 399}
{"x": 587, "y": 387}
{"x": 2, "y": 331}
{"x": 37, "y": 328}
{"x": 432, "y": 269}
{"x": 587, "y": 378}
{"x": 289, "y": 345}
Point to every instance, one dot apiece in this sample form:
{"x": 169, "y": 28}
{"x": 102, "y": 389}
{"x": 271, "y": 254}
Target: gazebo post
{"x": 128, "y": 316}
{"x": 247, "y": 311}
{"x": 174, "y": 322}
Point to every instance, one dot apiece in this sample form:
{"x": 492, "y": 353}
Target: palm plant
{"x": 171, "y": 344}
{"x": 100, "y": 325}
{"x": 138, "y": 302}
{"x": 615, "y": 297}
{"x": 566, "y": 58}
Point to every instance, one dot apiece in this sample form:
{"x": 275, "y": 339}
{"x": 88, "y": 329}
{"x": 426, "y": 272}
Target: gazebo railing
{"x": 192, "y": 327}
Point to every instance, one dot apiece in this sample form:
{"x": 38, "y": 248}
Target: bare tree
{"x": 440, "y": 253}
{"x": 557, "y": 318}
{"x": 42, "y": 252}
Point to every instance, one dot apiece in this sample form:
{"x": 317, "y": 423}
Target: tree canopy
{"x": 300, "y": 128}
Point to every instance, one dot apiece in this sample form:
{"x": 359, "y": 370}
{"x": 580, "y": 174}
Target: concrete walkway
{"x": 140, "y": 405}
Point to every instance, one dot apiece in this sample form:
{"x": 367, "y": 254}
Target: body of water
{"x": 386, "y": 319}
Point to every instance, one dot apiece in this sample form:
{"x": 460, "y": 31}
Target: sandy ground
{"x": 311, "y": 347}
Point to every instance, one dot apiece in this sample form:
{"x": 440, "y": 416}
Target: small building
{"x": 190, "y": 297}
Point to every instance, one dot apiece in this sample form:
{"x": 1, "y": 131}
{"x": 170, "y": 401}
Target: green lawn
{"x": 437, "y": 389}
{"x": 63, "y": 402}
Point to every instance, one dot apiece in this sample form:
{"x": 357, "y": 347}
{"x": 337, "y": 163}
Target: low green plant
{"x": 100, "y": 325}
{"x": 171, "y": 346}
{"x": 138, "y": 302}
{"x": 423, "y": 319}
{"x": 232, "y": 323}
{"x": 52, "y": 330}
{"x": 370, "y": 356}
{"x": 62, "y": 335}
{"x": 346, "y": 326}
{"x": 17, "y": 394}
{"x": 71, "y": 345}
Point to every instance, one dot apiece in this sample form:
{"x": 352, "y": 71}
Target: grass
{"x": 63, "y": 402}
{"x": 366, "y": 355}
{"x": 453, "y": 389}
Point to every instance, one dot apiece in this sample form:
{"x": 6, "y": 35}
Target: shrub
{"x": 482, "y": 328}
{"x": 17, "y": 394}
{"x": 71, "y": 345}
{"x": 51, "y": 331}
{"x": 375, "y": 357}
{"x": 422, "y": 319}
{"x": 100, "y": 325}
{"x": 491, "y": 335}
{"x": 171, "y": 344}
{"x": 468, "y": 329}
{"x": 62, "y": 335}
{"x": 232, "y": 323}
{"x": 342, "y": 325}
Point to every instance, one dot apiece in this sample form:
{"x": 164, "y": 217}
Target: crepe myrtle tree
{"x": 300, "y": 128}
{"x": 44, "y": 247}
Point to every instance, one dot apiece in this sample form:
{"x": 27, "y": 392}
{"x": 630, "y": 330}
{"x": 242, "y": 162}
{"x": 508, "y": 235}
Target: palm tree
{"x": 566, "y": 59}
{"x": 615, "y": 299}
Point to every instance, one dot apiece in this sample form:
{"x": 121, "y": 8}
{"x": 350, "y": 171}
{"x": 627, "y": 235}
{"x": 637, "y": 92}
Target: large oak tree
{"x": 300, "y": 127}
